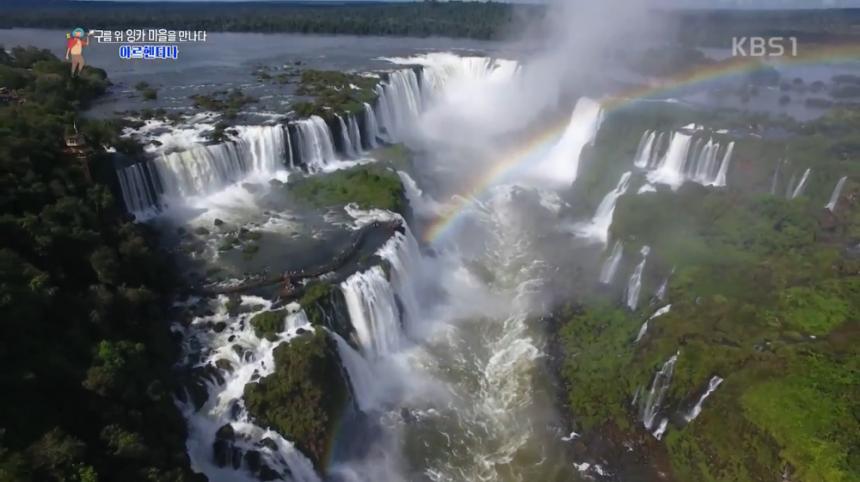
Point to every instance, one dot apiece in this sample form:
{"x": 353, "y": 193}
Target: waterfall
{"x": 720, "y": 180}
{"x": 399, "y": 103}
{"x": 610, "y": 265}
{"x": 837, "y": 191}
{"x": 289, "y": 148}
{"x": 345, "y": 140}
{"x": 685, "y": 159}
{"x": 138, "y": 191}
{"x": 370, "y": 127}
{"x": 635, "y": 283}
{"x": 643, "y": 152}
{"x": 249, "y": 357}
{"x": 354, "y": 134}
{"x": 775, "y": 179}
{"x": 697, "y": 408}
{"x": 661, "y": 429}
{"x": 671, "y": 167}
{"x": 315, "y": 143}
{"x": 404, "y": 256}
{"x": 661, "y": 291}
{"x": 206, "y": 169}
{"x": 562, "y": 163}
{"x": 659, "y": 387}
{"x": 361, "y": 379}
{"x": 789, "y": 188}
{"x": 644, "y": 328}
{"x": 373, "y": 311}
{"x": 801, "y": 185}
{"x": 598, "y": 227}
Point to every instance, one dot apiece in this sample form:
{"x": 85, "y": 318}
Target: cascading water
{"x": 697, "y": 408}
{"x": 404, "y": 256}
{"x": 643, "y": 152}
{"x": 400, "y": 102}
{"x": 598, "y": 227}
{"x": 345, "y": 140}
{"x": 837, "y": 191}
{"x": 315, "y": 144}
{"x": 634, "y": 285}
{"x": 561, "y": 166}
{"x": 371, "y": 127}
{"x": 686, "y": 159}
{"x": 354, "y": 134}
{"x": 670, "y": 171}
{"x": 360, "y": 373}
{"x": 138, "y": 191}
{"x": 610, "y": 266}
{"x": 775, "y": 179}
{"x": 644, "y": 328}
{"x": 202, "y": 170}
{"x": 248, "y": 357}
{"x": 373, "y": 311}
{"x": 798, "y": 190}
{"x": 657, "y": 392}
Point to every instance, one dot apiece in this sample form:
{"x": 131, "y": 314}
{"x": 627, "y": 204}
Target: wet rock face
{"x": 224, "y": 450}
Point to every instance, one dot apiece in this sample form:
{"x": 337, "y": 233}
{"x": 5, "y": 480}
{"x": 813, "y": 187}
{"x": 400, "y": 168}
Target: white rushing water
{"x": 644, "y": 328}
{"x": 345, "y": 140}
{"x": 634, "y": 285}
{"x": 561, "y": 166}
{"x": 248, "y": 357}
{"x": 798, "y": 190}
{"x": 610, "y": 265}
{"x": 315, "y": 143}
{"x": 373, "y": 311}
{"x": 834, "y": 196}
{"x": 686, "y": 159}
{"x": 653, "y": 400}
{"x": 400, "y": 102}
{"x": 714, "y": 382}
{"x": 370, "y": 126}
{"x": 598, "y": 228}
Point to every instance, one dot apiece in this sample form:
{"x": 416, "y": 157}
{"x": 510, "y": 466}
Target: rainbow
{"x": 537, "y": 145}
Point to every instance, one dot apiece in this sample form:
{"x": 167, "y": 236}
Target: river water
{"x": 449, "y": 368}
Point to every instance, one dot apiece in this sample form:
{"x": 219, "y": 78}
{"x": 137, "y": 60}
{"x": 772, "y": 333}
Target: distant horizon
{"x": 675, "y": 4}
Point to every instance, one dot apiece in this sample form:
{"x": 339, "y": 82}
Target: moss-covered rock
{"x": 269, "y": 324}
{"x": 369, "y": 186}
{"x": 334, "y": 92}
{"x": 305, "y": 395}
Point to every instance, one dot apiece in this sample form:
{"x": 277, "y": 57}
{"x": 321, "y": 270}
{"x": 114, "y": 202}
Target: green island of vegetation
{"x": 303, "y": 398}
{"x": 764, "y": 293}
{"x": 369, "y": 186}
{"x": 334, "y": 92}
{"x": 85, "y": 345}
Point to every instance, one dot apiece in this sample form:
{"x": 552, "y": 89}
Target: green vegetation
{"x": 227, "y": 103}
{"x": 334, "y": 93}
{"x": 370, "y": 186}
{"x": 84, "y": 344}
{"x": 269, "y": 324}
{"x": 146, "y": 91}
{"x": 764, "y": 294}
{"x": 419, "y": 19}
{"x": 303, "y": 398}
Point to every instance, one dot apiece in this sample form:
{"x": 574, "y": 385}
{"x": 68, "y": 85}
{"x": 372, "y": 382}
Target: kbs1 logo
{"x": 764, "y": 46}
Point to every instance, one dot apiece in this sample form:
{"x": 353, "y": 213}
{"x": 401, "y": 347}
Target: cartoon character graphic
{"x": 75, "y": 44}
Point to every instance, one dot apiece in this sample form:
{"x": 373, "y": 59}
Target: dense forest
{"x": 453, "y": 19}
{"x": 84, "y": 345}
{"x": 479, "y": 20}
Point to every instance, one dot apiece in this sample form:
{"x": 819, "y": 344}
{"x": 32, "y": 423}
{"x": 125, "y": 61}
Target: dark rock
{"x": 226, "y": 432}
{"x": 218, "y": 222}
{"x": 220, "y": 326}
{"x": 224, "y": 364}
{"x": 269, "y": 443}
